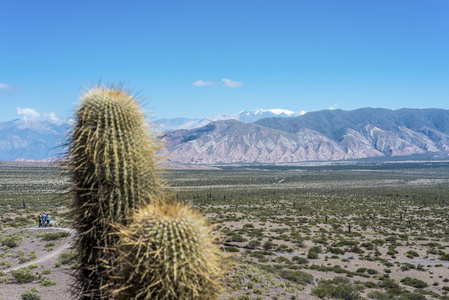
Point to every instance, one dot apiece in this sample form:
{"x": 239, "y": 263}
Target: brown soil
{"x": 62, "y": 275}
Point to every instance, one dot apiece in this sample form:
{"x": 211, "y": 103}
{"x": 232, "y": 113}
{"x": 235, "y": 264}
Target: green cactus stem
{"x": 112, "y": 159}
{"x": 168, "y": 252}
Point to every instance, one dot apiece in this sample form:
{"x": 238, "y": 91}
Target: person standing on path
{"x": 40, "y": 220}
{"x": 48, "y": 220}
{"x": 44, "y": 217}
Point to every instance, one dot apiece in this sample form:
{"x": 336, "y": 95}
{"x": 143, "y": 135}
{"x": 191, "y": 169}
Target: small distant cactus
{"x": 112, "y": 159}
{"x": 168, "y": 252}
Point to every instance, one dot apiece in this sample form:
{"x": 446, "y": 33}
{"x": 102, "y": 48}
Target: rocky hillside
{"x": 323, "y": 135}
{"x": 31, "y": 140}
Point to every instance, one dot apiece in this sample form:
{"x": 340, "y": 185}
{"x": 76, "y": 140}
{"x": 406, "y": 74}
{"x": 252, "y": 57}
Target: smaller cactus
{"x": 168, "y": 252}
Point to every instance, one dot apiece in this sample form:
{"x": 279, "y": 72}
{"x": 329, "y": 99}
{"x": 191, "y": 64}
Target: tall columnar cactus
{"x": 112, "y": 158}
{"x": 167, "y": 252}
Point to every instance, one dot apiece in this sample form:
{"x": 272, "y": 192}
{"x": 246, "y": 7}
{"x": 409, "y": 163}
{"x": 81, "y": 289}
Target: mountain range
{"x": 31, "y": 139}
{"x": 315, "y": 136}
{"x": 265, "y": 136}
{"x": 244, "y": 116}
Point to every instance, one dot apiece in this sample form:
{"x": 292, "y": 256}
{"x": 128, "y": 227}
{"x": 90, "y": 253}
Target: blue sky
{"x": 199, "y": 58}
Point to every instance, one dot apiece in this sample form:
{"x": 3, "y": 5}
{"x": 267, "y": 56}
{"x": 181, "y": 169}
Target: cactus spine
{"x": 112, "y": 158}
{"x": 167, "y": 252}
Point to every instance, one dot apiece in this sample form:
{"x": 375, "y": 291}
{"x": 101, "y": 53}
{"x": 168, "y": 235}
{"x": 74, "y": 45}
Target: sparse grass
{"x": 46, "y": 282}
{"x": 5, "y": 264}
{"x": 23, "y": 275}
{"x": 414, "y": 282}
{"x": 11, "y": 241}
{"x": 338, "y": 288}
{"x": 52, "y": 236}
{"x": 66, "y": 257}
{"x": 39, "y": 185}
{"x": 397, "y": 215}
{"x": 390, "y": 217}
{"x": 29, "y": 295}
{"x": 49, "y": 246}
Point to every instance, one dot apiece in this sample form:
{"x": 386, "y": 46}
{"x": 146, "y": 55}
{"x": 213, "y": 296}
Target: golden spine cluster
{"x": 168, "y": 253}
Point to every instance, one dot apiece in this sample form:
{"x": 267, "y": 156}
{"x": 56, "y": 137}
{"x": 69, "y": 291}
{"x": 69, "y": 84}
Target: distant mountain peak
{"x": 246, "y": 116}
{"x": 275, "y": 111}
{"x": 31, "y": 139}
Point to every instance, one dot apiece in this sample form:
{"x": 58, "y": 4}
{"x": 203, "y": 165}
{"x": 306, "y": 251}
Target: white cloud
{"x": 226, "y": 83}
{"x": 52, "y": 116}
{"x": 28, "y": 114}
{"x": 5, "y": 86}
{"x": 232, "y": 84}
{"x": 203, "y": 83}
{"x": 333, "y": 106}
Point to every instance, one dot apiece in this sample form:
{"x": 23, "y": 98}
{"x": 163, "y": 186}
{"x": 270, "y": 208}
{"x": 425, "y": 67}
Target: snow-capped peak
{"x": 274, "y": 111}
{"x": 256, "y": 114}
{"x": 244, "y": 116}
{"x": 278, "y": 111}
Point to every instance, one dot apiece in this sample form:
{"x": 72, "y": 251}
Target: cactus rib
{"x": 168, "y": 252}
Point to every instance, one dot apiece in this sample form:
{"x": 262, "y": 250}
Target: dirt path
{"x": 50, "y": 255}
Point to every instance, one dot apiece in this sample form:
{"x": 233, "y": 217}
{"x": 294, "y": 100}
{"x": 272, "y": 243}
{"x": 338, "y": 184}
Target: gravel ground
{"x": 61, "y": 276}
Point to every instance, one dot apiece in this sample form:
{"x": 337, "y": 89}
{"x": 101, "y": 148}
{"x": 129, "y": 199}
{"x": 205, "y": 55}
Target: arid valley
{"x": 371, "y": 231}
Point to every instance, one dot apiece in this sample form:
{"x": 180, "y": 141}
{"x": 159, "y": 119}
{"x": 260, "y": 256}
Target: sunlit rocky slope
{"x": 323, "y": 135}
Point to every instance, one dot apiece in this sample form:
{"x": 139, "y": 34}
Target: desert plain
{"x": 331, "y": 231}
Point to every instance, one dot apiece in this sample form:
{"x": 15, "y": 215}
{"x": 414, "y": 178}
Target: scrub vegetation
{"x": 339, "y": 232}
{"x": 311, "y": 232}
